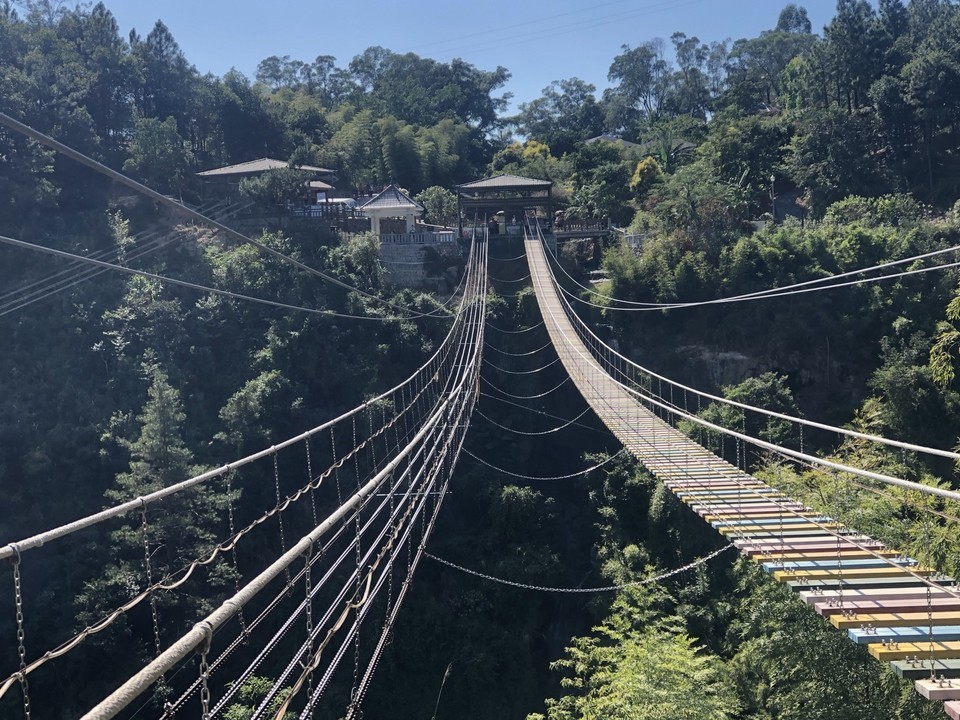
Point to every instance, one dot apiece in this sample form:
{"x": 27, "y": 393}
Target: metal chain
{"x": 309, "y": 610}
{"x": 149, "y": 568}
{"x": 21, "y": 647}
{"x": 313, "y": 499}
{"x": 233, "y": 553}
{"x": 840, "y": 514}
{"x": 283, "y": 536}
{"x": 336, "y": 468}
{"x": 205, "y": 674}
{"x": 373, "y": 446}
{"x": 608, "y": 588}
{"x": 928, "y": 548}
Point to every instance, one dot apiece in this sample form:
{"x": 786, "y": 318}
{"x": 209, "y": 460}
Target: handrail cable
{"x": 743, "y": 406}
{"x": 192, "y": 639}
{"x": 752, "y": 490}
{"x": 654, "y": 400}
{"x": 177, "y": 578}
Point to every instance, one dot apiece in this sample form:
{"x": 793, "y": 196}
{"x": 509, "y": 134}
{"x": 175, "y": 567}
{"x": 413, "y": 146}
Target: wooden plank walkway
{"x": 874, "y": 594}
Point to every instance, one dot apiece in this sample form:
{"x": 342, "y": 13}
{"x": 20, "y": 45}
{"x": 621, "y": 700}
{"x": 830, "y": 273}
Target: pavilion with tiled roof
{"x": 392, "y": 203}
{"x": 505, "y": 192}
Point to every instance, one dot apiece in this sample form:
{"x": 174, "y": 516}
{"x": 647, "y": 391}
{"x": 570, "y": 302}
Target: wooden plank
{"x": 853, "y": 583}
{"x": 919, "y": 668}
{"x": 877, "y": 592}
{"x": 941, "y": 689}
{"x": 832, "y": 563}
{"x": 855, "y": 573}
{"x": 910, "y": 633}
{"x": 916, "y": 605}
{"x": 902, "y": 651}
{"x": 845, "y": 552}
{"x": 895, "y": 619}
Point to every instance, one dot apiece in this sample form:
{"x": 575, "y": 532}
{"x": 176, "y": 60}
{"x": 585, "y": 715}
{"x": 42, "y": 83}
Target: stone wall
{"x": 406, "y": 265}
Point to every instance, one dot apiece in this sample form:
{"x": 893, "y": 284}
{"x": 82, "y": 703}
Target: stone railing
{"x": 418, "y": 238}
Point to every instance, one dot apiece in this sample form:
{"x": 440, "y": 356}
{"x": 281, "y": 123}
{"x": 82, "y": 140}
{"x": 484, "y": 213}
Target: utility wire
{"x": 184, "y": 283}
{"x": 182, "y": 209}
{"x": 826, "y": 283}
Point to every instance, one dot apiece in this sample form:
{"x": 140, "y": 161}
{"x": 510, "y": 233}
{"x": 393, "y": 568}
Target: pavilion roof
{"x": 254, "y": 167}
{"x": 391, "y": 198}
{"x": 504, "y": 181}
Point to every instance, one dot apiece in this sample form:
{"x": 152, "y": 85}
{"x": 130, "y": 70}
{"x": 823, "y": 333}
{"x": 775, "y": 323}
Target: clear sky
{"x": 536, "y": 41}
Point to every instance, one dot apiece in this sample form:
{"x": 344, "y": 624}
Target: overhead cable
{"x": 182, "y": 209}
{"x": 184, "y": 283}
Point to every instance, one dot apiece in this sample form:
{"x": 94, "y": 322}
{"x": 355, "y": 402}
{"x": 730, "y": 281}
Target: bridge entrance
{"x": 503, "y": 200}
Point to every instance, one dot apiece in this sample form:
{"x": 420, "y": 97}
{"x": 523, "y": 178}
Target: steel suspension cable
{"x": 655, "y": 401}
{"x": 184, "y": 283}
{"x": 743, "y": 406}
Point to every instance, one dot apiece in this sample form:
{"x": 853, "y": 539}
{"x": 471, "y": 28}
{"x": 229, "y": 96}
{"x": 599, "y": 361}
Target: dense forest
{"x": 734, "y": 165}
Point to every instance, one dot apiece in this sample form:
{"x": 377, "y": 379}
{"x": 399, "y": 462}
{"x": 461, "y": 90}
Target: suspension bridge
{"x": 355, "y": 527}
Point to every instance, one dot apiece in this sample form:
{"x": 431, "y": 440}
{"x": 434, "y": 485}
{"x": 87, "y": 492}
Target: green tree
{"x": 158, "y": 155}
{"x": 275, "y": 189}
{"x": 640, "y": 666}
{"x": 440, "y": 205}
{"x": 565, "y": 114}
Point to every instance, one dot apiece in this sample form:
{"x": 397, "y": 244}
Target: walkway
{"x": 878, "y": 597}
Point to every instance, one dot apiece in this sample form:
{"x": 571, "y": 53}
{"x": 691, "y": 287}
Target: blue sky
{"x": 536, "y": 41}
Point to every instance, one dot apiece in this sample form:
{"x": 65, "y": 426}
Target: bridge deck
{"x": 873, "y": 594}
